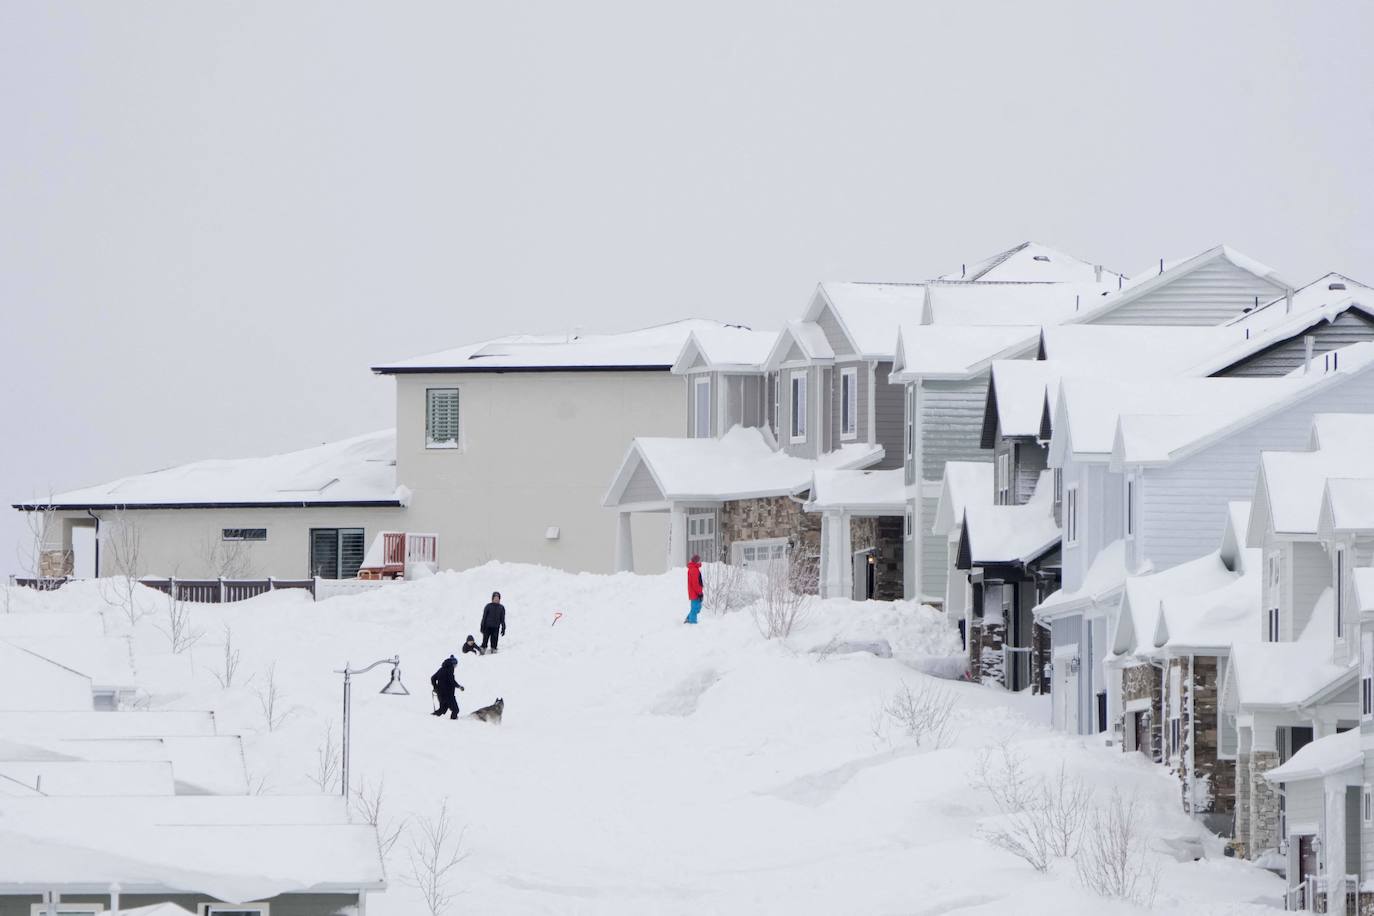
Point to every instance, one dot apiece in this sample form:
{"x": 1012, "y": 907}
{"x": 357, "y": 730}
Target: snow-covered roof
{"x": 1143, "y": 595}
{"x": 104, "y": 660}
{"x": 653, "y": 348}
{"x": 1008, "y": 535}
{"x": 153, "y": 723}
{"x": 807, "y": 338}
{"x": 966, "y": 483}
{"x": 1213, "y": 621}
{"x": 1291, "y": 484}
{"x": 1325, "y": 756}
{"x": 1034, "y": 262}
{"x": 1318, "y": 294}
{"x": 870, "y": 313}
{"x": 1364, "y": 588}
{"x": 956, "y": 351}
{"x": 1113, "y": 350}
{"x": 1102, "y": 583}
{"x": 360, "y": 471}
{"x": 985, "y": 303}
{"x": 1287, "y": 674}
{"x": 92, "y": 778}
{"x": 1348, "y": 504}
{"x": 199, "y": 765}
{"x": 1148, "y": 280}
{"x": 728, "y": 348}
{"x": 742, "y": 464}
{"x": 25, "y": 677}
{"x": 880, "y": 492}
{"x": 1296, "y": 324}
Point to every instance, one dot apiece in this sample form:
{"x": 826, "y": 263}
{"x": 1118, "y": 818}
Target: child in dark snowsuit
{"x": 471, "y": 646}
{"x": 493, "y": 622}
{"x": 444, "y": 684}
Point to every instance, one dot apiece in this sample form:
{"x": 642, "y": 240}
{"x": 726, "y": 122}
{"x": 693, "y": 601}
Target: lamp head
{"x": 394, "y": 685}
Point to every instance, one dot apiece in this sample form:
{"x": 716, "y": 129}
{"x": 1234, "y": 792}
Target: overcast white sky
{"x": 215, "y": 217}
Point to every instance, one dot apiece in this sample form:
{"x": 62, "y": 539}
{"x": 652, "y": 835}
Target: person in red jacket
{"x": 695, "y": 588}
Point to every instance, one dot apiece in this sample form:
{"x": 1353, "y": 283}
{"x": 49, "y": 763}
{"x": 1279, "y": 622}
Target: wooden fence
{"x": 205, "y": 591}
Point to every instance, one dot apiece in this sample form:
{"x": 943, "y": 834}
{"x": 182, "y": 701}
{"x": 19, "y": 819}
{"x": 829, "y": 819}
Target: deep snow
{"x": 647, "y": 766}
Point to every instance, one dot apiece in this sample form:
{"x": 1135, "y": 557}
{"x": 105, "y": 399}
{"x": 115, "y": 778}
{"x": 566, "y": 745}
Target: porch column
{"x": 1264, "y": 800}
{"x": 1242, "y": 830}
{"x": 624, "y": 543}
{"x": 835, "y": 556}
{"x": 677, "y": 537}
{"x": 1323, "y": 726}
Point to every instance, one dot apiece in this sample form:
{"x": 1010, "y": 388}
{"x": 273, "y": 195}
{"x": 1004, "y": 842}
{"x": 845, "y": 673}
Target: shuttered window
{"x": 336, "y": 553}
{"x": 849, "y": 403}
{"x": 441, "y": 418}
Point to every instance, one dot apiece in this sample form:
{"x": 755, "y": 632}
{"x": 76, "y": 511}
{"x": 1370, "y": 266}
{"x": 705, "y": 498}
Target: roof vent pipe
{"x": 1097, "y": 273}
{"x": 1161, "y": 265}
{"x": 1288, "y": 302}
{"x": 963, "y": 271}
{"x": 1120, "y": 280}
{"x": 1335, "y": 286}
{"x": 1308, "y": 343}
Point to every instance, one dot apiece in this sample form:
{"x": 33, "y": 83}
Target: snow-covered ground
{"x": 645, "y": 766}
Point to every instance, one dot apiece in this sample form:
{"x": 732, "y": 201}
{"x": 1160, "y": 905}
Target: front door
{"x": 863, "y": 575}
{"x": 1067, "y": 688}
{"x": 1307, "y": 861}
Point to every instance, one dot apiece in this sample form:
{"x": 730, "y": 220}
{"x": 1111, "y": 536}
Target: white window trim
{"x": 211, "y": 909}
{"x": 1367, "y": 804}
{"x": 1273, "y": 624}
{"x": 1340, "y": 593}
{"x": 1002, "y": 471}
{"x": 41, "y": 909}
{"x": 697, "y": 384}
{"x": 796, "y": 381}
{"x": 1071, "y": 533}
{"x": 1366, "y": 676}
{"x": 444, "y": 444}
{"x": 910, "y": 423}
{"x": 849, "y": 403}
{"x": 1129, "y": 521}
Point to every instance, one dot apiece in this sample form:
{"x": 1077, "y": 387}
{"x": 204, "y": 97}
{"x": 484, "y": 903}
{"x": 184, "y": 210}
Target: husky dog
{"x": 490, "y": 713}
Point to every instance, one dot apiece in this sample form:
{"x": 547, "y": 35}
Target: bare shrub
{"x": 272, "y": 701}
{"x": 1113, "y": 859}
{"x": 789, "y": 592}
{"x": 39, "y": 521}
{"x": 229, "y": 662}
{"x": 123, "y": 553}
{"x": 435, "y": 851}
{"x": 178, "y": 627}
{"x": 729, "y": 587}
{"x": 924, "y": 713}
{"x": 258, "y": 785}
{"x": 327, "y": 761}
{"x": 1041, "y": 819}
{"x": 369, "y": 806}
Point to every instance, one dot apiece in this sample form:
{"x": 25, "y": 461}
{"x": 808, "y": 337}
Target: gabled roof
{"x": 965, "y": 484}
{"x": 731, "y": 348}
{"x": 1018, "y": 391}
{"x": 860, "y": 491}
{"x": 1348, "y": 503}
{"x": 1010, "y": 535}
{"x": 1143, "y": 595}
{"x": 1102, "y": 584}
{"x": 353, "y": 472}
{"x": 1144, "y": 283}
{"x": 1036, "y": 262}
{"x": 646, "y": 349}
{"x": 1296, "y": 325}
{"x": 1320, "y": 293}
{"x": 992, "y": 304}
{"x": 742, "y": 464}
{"x": 956, "y": 351}
{"x": 1290, "y": 674}
{"x": 807, "y": 338}
{"x": 1323, "y": 757}
{"x": 869, "y": 314}
{"x": 1290, "y": 485}
{"x": 1112, "y": 350}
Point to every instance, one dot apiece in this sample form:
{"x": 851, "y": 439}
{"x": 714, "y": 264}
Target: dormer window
{"x": 849, "y": 403}
{"x": 799, "y": 407}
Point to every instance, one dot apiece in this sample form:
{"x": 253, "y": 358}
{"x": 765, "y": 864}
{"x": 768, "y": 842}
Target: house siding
{"x": 1209, "y": 295}
{"x": 862, "y": 396}
{"x": 830, "y": 327}
{"x": 1027, "y": 460}
{"x": 888, "y": 420}
{"x": 950, "y": 423}
{"x": 1183, "y": 505}
{"x": 1310, "y": 575}
{"x": 1288, "y": 356}
{"x": 1303, "y": 804}
{"x": 641, "y": 488}
{"x": 816, "y": 432}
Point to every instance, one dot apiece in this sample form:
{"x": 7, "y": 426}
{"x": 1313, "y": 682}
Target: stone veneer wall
{"x": 1141, "y": 682}
{"x": 1264, "y": 805}
{"x": 1241, "y": 774}
{"x": 771, "y": 517}
{"x": 1214, "y": 780}
{"x": 54, "y": 564}
{"x": 992, "y": 637}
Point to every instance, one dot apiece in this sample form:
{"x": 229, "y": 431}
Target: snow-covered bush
{"x": 1114, "y": 858}
{"x": 272, "y": 701}
{"x": 327, "y": 762}
{"x": 1039, "y": 819}
{"x": 368, "y": 803}
{"x": 435, "y": 851}
{"x": 925, "y": 713}
{"x": 789, "y": 591}
{"x": 180, "y": 631}
{"x": 729, "y": 587}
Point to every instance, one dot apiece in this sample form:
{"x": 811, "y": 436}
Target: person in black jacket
{"x": 444, "y": 684}
{"x": 471, "y": 646}
{"x": 493, "y": 620}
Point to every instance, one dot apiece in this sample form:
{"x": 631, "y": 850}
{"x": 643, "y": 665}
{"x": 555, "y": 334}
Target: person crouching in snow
{"x": 444, "y": 684}
{"x": 471, "y": 646}
{"x": 695, "y": 588}
{"x": 493, "y": 619}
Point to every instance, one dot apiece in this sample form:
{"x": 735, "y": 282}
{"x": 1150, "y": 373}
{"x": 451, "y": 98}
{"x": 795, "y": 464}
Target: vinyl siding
{"x": 641, "y": 488}
{"x": 863, "y": 394}
{"x": 951, "y": 419}
{"x": 1311, "y": 575}
{"x": 1183, "y": 506}
{"x": 1210, "y": 295}
{"x": 1286, "y": 357}
{"x": 1027, "y": 460}
{"x": 888, "y": 422}
{"x": 1304, "y": 803}
{"x": 750, "y": 399}
{"x": 830, "y": 327}
{"x": 1352, "y": 830}
{"x": 934, "y": 553}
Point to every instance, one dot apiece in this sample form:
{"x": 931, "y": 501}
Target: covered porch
{"x": 862, "y": 535}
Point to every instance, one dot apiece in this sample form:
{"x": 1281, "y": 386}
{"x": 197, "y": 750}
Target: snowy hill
{"x": 644, "y": 766}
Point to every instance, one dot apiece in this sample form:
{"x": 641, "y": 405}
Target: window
{"x": 1367, "y": 675}
{"x": 235, "y": 909}
{"x": 1367, "y": 805}
{"x": 245, "y": 534}
{"x": 701, "y": 407}
{"x": 799, "y": 407}
{"x": 336, "y": 553}
{"x": 910, "y": 526}
{"x": 701, "y": 535}
{"x": 67, "y": 909}
{"x": 1271, "y": 632}
{"x": 1340, "y": 593}
{"x": 1003, "y": 473}
{"x": 441, "y": 418}
{"x": 1175, "y": 710}
{"x": 1071, "y": 515}
{"x": 910, "y": 422}
{"x": 757, "y": 554}
{"x": 849, "y": 403}
{"x": 1130, "y": 507}
{"x": 1058, "y": 487}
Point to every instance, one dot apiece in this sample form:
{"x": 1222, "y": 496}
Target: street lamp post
{"x": 393, "y": 687}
